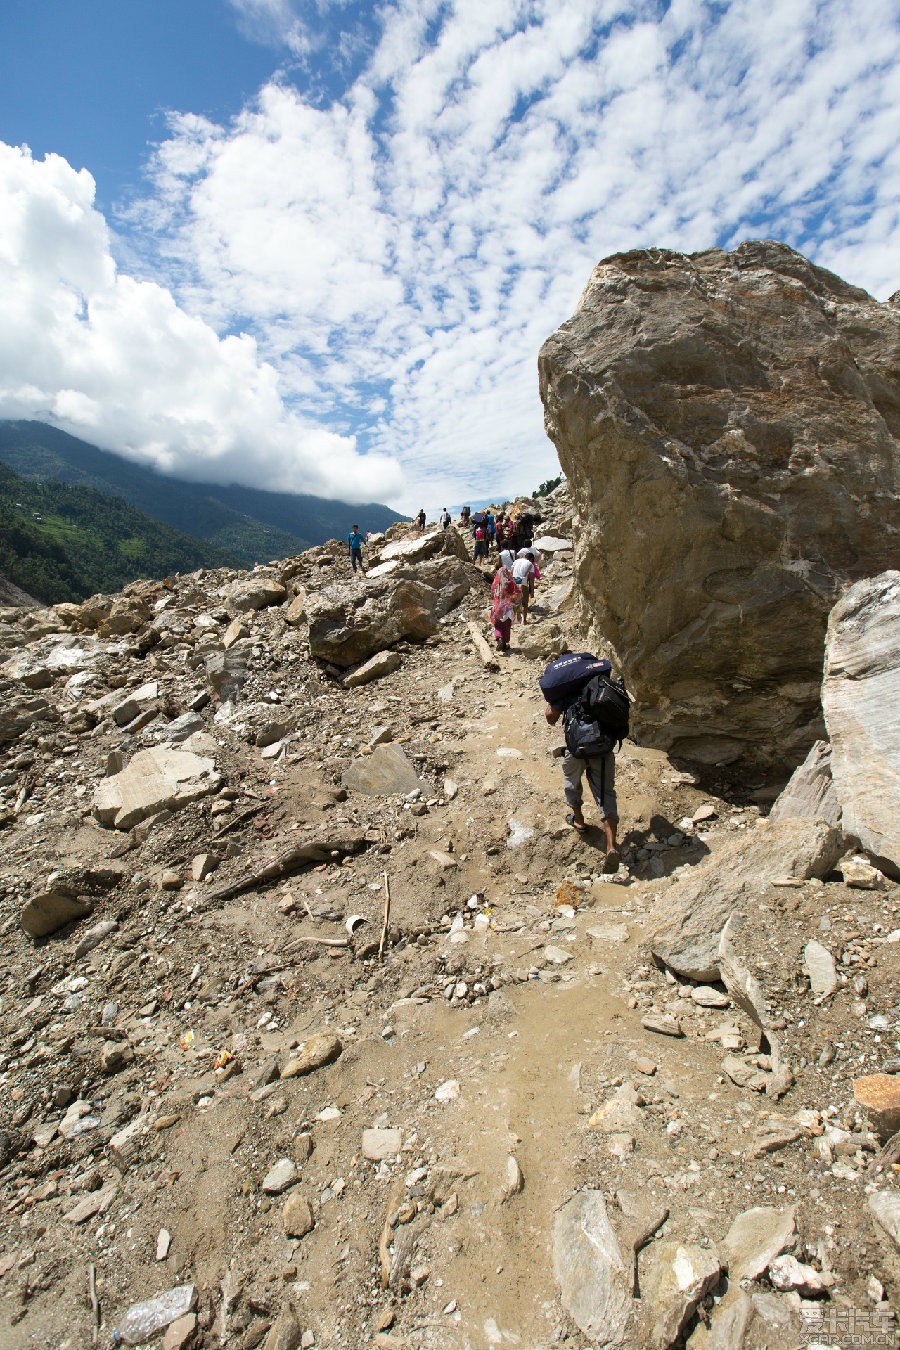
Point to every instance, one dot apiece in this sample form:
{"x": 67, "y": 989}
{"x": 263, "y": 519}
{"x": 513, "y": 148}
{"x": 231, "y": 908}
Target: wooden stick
{"x": 387, "y": 916}
{"x": 888, "y": 1155}
{"x": 319, "y": 941}
{"x": 95, "y": 1303}
{"x": 316, "y": 849}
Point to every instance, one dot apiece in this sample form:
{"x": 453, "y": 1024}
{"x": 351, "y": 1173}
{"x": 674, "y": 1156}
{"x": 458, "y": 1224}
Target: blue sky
{"x": 318, "y": 245}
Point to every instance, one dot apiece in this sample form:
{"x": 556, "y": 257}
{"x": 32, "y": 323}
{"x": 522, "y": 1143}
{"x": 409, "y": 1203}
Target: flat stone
{"x": 154, "y": 780}
{"x": 92, "y": 1204}
{"x": 380, "y": 1144}
{"x": 695, "y": 910}
{"x": 619, "y": 1114}
{"x": 387, "y": 772}
{"x": 318, "y": 1050}
{"x": 879, "y": 1096}
{"x": 608, "y": 935}
{"x": 820, "y": 968}
{"x": 674, "y": 1279}
{"x": 297, "y": 1216}
{"x": 774, "y": 1133}
{"x": 664, "y": 1024}
{"x": 594, "y": 1277}
{"x": 744, "y": 1075}
{"x": 51, "y": 910}
{"x": 179, "y": 1332}
{"x": 556, "y": 956}
{"x": 755, "y": 1238}
{"x": 884, "y": 1207}
{"x": 382, "y": 663}
{"x": 708, "y": 997}
{"x": 280, "y": 1177}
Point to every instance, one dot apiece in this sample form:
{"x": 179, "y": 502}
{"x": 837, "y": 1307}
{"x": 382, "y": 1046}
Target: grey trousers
{"x": 601, "y": 776}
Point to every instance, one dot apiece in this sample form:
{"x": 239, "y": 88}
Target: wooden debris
{"x": 486, "y": 656}
{"x": 316, "y": 849}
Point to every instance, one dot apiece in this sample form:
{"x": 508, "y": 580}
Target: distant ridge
{"x": 250, "y": 524}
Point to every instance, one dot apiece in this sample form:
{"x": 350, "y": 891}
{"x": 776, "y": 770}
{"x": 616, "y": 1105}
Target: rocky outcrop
{"x": 729, "y": 425}
{"x": 861, "y": 698}
{"x": 347, "y": 625}
{"x": 810, "y": 794}
{"x": 696, "y": 910}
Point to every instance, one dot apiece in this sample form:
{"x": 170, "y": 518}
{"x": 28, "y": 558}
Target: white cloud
{"x": 116, "y": 360}
{"x": 397, "y": 254}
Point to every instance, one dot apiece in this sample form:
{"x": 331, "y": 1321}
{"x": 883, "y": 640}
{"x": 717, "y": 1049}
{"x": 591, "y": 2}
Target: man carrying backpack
{"x": 577, "y": 687}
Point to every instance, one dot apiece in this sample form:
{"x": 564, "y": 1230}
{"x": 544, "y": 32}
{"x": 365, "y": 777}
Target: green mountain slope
{"x": 59, "y": 542}
{"x": 253, "y": 525}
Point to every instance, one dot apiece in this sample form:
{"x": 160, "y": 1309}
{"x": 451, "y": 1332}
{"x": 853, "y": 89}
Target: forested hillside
{"x": 60, "y": 542}
{"x": 252, "y": 525}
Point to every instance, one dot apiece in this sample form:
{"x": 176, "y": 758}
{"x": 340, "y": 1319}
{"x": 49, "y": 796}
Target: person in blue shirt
{"x": 355, "y": 543}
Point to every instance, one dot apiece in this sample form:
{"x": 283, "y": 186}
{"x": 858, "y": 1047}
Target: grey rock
{"x": 744, "y": 405}
{"x": 755, "y": 1238}
{"x": 595, "y": 1279}
{"x": 884, "y": 1207}
{"x": 182, "y": 727}
{"x": 253, "y": 593}
{"x": 810, "y": 793}
{"x": 861, "y": 700}
{"x": 155, "y": 780}
{"x": 387, "y": 772}
{"x": 820, "y": 968}
{"x": 280, "y": 1177}
{"x": 694, "y": 911}
{"x": 227, "y": 673}
{"x": 664, "y": 1024}
{"x": 383, "y": 663}
{"x": 347, "y": 625}
{"x": 674, "y": 1278}
{"x": 51, "y": 910}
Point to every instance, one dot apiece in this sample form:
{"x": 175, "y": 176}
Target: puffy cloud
{"x": 117, "y": 361}
{"x": 382, "y": 262}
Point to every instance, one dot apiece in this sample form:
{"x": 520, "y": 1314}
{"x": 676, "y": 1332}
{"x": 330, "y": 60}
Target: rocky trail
{"x": 321, "y": 1028}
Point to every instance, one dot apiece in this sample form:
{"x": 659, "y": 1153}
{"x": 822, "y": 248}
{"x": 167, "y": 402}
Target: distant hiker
{"x": 595, "y": 709}
{"x": 445, "y": 519}
{"x": 524, "y": 572}
{"x": 420, "y": 520}
{"x": 500, "y": 531}
{"x": 464, "y": 516}
{"x": 355, "y": 543}
{"x": 480, "y": 550}
{"x": 491, "y": 528}
{"x": 504, "y": 600}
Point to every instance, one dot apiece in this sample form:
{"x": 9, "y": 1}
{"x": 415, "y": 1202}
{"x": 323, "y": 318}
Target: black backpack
{"x": 597, "y": 722}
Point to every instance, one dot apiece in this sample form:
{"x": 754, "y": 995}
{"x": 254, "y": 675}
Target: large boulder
{"x": 694, "y": 911}
{"x": 728, "y": 424}
{"x": 348, "y": 624}
{"x": 861, "y": 698}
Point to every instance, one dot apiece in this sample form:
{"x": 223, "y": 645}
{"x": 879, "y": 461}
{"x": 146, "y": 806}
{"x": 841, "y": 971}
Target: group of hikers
{"x": 578, "y": 688}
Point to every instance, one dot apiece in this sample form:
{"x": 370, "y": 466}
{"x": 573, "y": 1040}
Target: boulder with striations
{"x": 861, "y": 698}
{"x": 728, "y": 423}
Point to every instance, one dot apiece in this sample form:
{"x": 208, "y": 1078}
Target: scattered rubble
{"x": 318, "y": 1022}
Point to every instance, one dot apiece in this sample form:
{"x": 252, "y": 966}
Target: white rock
{"x": 280, "y": 1177}
{"x": 380, "y": 1144}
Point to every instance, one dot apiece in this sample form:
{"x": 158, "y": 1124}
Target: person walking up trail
{"x": 577, "y": 687}
{"x": 504, "y": 600}
{"x": 523, "y": 571}
{"x": 355, "y": 543}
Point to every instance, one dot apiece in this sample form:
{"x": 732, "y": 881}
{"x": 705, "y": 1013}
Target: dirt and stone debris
{"x": 322, "y": 1029}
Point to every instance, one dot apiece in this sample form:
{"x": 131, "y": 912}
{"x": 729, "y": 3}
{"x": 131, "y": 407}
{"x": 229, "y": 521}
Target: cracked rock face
{"x": 729, "y": 424}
